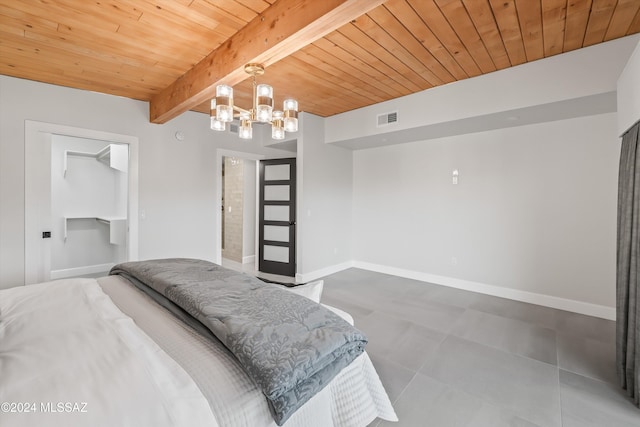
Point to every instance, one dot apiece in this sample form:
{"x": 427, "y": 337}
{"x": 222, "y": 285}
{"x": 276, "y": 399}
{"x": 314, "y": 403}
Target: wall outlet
{"x": 454, "y": 260}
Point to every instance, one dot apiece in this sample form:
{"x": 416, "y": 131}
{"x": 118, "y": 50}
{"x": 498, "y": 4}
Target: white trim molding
{"x": 249, "y": 259}
{"x": 317, "y": 274}
{"x": 581, "y": 307}
{"x": 80, "y": 271}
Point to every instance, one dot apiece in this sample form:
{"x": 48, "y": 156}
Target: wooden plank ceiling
{"x": 136, "y": 49}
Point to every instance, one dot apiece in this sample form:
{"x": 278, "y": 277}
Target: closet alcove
{"x": 88, "y": 205}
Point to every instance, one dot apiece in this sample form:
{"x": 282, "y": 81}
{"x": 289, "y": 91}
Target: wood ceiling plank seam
{"x": 60, "y": 14}
{"x": 111, "y": 10}
{"x": 290, "y": 77}
{"x": 370, "y": 45}
{"x": 369, "y": 26}
{"x": 168, "y": 14}
{"x": 373, "y": 61}
{"x": 255, "y": 5}
{"x": 116, "y": 47}
{"x": 104, "y": 63}
{"x": 635, "y": 25}
{"x": 433, "y": 18}
{"x": 403, "y": 36}
{"x": 396, "y": 28}
{"x": 578, "y": 12}
{"x": 380, "y": 51}
{"x": 113, "y": 50}
{"x": 330, "y": 97}
{"x": 622, "y": 18}
{"x": 554, "y": 14}
{"x": 330, "y": 82}
{"x": 91, "y": 35}
{"x": 485, "y": 23}
{"x": 205, "y": 8}
{"x": 349, "y": 70}
{"x": 416, "y": 26}
{"x": 186, "y": 12}
{"x": 333, "y": 74}
{"x": 458, "y": 18}
{"x": 374, "y": 69}
{"x": 234, "y": 8}
{"x": 506, "y": 16}
{"x": 30, "y": 56}
{"x": 182, "y": 38}
{"x": 64, "y": 74}
{"x": 601, "y": 12}
{"x": 97, "y": 74}
{"x": 74, "y": 50}
{"x": 531, "y": 24}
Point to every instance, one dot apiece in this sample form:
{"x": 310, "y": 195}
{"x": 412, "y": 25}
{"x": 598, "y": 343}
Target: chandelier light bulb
{"x": 290, "y": 107}
{"x": 224, "y": 103}
{"x": 245, "y": 131}
{"x": 217, "y": 125}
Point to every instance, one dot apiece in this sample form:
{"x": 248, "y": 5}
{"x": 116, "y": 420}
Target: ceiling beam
{"x": 282, "y": 29}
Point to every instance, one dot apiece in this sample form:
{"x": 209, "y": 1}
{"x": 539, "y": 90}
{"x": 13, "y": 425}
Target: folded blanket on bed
{"x": 289, "y": 345}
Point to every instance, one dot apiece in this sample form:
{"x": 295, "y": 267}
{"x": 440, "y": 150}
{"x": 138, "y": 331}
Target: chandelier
{"x": 223, "y": 111}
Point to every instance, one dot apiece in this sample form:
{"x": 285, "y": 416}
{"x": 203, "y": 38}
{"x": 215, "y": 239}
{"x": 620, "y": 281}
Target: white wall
{"x": 249, "y": 209}
{"x": 534, "y": 211}
{"x": 629, "y": 93}
{"x": 177, "y": 180}
{"x": 324, "y": 179}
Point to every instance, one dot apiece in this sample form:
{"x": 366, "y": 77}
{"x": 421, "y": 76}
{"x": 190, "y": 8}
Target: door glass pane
{"x": 276, "y": 213}
{"x": 276, "y": 253}
{"x": 276, "y": 192}
{"x": 276, "y": 233}
{"x": 276, "y": 172}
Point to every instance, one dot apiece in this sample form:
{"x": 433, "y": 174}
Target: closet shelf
{"x": 117, "y": 227}
{"x": 115, "y": 156}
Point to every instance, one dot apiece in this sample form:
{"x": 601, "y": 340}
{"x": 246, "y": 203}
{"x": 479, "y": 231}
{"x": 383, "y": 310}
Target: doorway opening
{"x": 238, "y": 212}
{"x": 106, "y": 218}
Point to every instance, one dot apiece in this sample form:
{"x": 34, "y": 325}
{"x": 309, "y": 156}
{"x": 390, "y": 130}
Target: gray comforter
{"x": 289, "y": 345}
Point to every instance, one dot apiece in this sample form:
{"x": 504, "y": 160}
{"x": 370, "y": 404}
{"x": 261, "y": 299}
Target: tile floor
{"x": 454, "y": 358}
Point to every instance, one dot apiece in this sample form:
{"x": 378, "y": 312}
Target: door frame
{"x": 220, "y": 153}
{"x": 37, "y": 150}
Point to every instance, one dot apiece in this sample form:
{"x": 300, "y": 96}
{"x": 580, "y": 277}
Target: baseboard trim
{"x": 581, "y": 307}
{"x": 248, "y": 259}
{"x": 317, "y": 274}
{"x": 80, "y": 271}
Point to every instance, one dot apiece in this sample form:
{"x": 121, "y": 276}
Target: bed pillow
{"x": 311, "y": 290}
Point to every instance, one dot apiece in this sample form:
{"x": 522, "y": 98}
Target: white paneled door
{"x": 277, "y": 223}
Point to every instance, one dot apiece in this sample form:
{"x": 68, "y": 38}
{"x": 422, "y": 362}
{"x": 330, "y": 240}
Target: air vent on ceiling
{"x": 387, "y": 118}
{"x": 233, "y": 128}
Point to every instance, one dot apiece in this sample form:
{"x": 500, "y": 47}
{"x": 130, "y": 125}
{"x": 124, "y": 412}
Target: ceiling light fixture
{"x": 223, "y": 111}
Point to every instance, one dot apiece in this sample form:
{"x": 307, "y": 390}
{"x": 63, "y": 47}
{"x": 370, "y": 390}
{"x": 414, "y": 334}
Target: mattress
{"x": 354, "y": 398}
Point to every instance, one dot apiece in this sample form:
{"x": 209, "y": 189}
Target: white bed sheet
{"x": 70, "y": 357}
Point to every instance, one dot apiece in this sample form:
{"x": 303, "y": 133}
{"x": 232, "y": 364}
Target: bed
{"x": 104, "y": 352}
